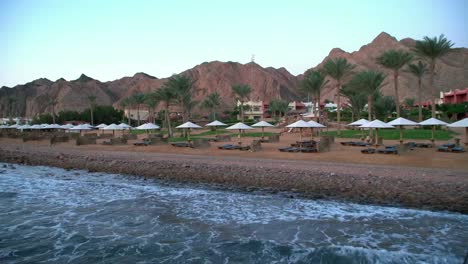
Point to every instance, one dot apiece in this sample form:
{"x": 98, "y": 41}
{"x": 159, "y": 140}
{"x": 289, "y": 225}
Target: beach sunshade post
{"x": 314, "y": 125}
{"x": 300, "y": 124}
{"x": 462, "y": 123}
{"x": 377, "y": 124}
{"x": 262, "y": 124}
{"x": 239, "y": 126}
{"x": 216, "y": 124}
{"x": 433, "y": 122}
{"x": 188, "y": 125}
{"x": 400, "y": 123}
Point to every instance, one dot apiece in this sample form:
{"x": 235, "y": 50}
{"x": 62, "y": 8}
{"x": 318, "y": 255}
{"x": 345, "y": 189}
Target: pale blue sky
{"x": 107, "y": 40}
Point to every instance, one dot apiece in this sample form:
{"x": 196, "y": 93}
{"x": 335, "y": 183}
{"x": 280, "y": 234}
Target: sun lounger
{"x": 145, "y": 142}
{"x": 458, "y": 150}
{"x": 290, "y": 149}
{"x": 423, "y": 145}
{"x": 244, "y": 148}
{"x": 182, "y": 144}
{"x": 388, "y": 150}
{"x": 309, "y": 150}
{"x": 229, "y": 147}
{"x": 443, "y": 149}
{"x": 368, "y": 151}
{"x": 347, "y": 143}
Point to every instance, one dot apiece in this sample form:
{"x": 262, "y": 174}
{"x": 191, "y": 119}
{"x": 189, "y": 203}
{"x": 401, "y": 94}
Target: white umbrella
{"x": 87, "y": 125}
{"x": 14, "y": 126}
{"x": 147, "y": 127}
{"x": 37, "y": 126}
{"x": 462, "y": 123}
{"x": 358, "y": 123}
{"x": 401, "y": 122}
{"x": 188, "y": 125}
{"x": 53, "y": 126}
{"x": 113, "y": 127}
{"x": 300, "y": 124}
{"x": 101, "y": 126}
{"x": 433, "y": 122}
{"x": 377, "y": 124}
{"x": 262, "y": 124}
{"x": 315, "y": 125}
{"x": 124, "y": 126}
{"x": 4, "y": 126}
{"x": 80, "y": 128}
{"x": 23, "y": 127}
{"x": 67, "y": 126}
{"x": 215, "y": 124}
{"x": 239, "y": 126}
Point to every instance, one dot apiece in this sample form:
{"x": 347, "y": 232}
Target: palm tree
{"x": 313, "y": 83}
{"x": 338, "y": 69}
{"x": 395, "y": 60}
{"x": 279, "y": 106}
{"x": 419, "y": 70}
{"x": 368, "y": 82}
{"x": 182, "y": 87}
{"x": 432, "y": 49}
{"x": 124, "y": 104}
{"x": 212, "y": 102}
{"x": 357, "y": 99}
{"x": 151, "y": 101}
{"x": 166, "y": 95}
{"x": 242, "y": 92}
{"x": 138, "y": 99}
{"x": 52, "y": 103}
{"x": 92, "y": 104}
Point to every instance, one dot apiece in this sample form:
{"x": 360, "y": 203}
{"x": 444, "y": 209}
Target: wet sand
{"x": 422, "y": 178}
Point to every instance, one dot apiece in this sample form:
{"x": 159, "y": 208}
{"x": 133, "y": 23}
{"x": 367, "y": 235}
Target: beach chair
{"x": 229, "y": 147}
{"x": 368, "y": 151}
{"x": 347, "y": 143}
{"x": 388, "y": 150}
{"x": 309, "y": 150}
{"x": 146, "y": 142}
{"x": 458, "y": 150}
{"x": 443, "y": 149}
{"x": 181, "y": 144}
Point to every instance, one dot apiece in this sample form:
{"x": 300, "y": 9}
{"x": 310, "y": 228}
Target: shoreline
{"x": 410, "y": 187}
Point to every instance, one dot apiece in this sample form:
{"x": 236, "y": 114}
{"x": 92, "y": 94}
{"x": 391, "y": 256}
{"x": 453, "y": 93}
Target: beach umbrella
{"x": 433, "y": 122}
{"x": 100, "y": 126}
{"x": 53, "y": 126}
{"x": 358, "y": 123}
{"x": 14, "y": 126}
{"x": 262, "y": 124}
{"x": 377, "y": 124}
{"x": 239, "y": 126}
{"x": 124, "y": 126}
{"x": 300, "y": 124}
{"x": 315, "y": 125}
{"x": 147, "y": 127}
{"x": 215, "y": 124}
{"x": 67, "y": 126}
{"x": 188, "y": 125}
{"x": 113, "y": 127}
{"x": 4, "y": 126}
{"x": 37, "y": 126}
{"x": 23, "y": 127}
{"x": 401, "y": 122}
{"x": 462, "y": 123}
{"x": 80, "y": 128}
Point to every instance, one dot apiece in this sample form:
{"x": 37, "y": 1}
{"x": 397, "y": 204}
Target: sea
{"x": 51, "y": 215}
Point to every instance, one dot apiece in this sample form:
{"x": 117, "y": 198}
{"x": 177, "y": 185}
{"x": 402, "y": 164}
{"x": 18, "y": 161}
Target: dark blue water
{"x": 48, "y": 215}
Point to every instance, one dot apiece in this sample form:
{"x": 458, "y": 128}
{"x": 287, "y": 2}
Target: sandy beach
{"x": 422, "y": 178}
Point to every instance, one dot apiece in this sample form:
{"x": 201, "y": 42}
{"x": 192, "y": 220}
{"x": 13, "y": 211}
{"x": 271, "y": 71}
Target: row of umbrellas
{"x": 401, "y": 122}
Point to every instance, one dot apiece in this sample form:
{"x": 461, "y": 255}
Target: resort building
{"x": 254, "y": 109}
{"x": 455, "y": 97}
{"x": 132, "y": 114}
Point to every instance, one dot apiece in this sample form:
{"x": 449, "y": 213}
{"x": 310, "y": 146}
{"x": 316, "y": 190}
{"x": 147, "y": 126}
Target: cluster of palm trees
{"x": 368, "y": 83}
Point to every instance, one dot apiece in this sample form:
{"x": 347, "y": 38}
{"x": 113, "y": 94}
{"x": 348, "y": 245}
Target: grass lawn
{"x": 395, "y": 134}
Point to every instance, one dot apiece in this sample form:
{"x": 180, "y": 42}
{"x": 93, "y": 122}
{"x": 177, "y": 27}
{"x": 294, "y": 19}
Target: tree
{"x": 357, "y": 100}
{"x": 419, "y": 70}
{"x": 313, "y": 83}
{"x": 151, "y": 100}
{"x": 52, "y": 103}
{"x": 182, "y": 87}
{"x": 432, "y": 49}
{"x": 338, "y": 69}
{"x": 137, "y": 99}
{"x": 241, "y": 92}
{"x": 383, "y": 106}
{"x": 125, "y": 103}
{"x": 212, "y": 102}
{"x": 166, "y": 95}
{"x": 395, "y": 60}
{"x": 367, "y": 82}
{"x": 278, "y": 106}
{"x": 92, "y": 104}
{"x": 409, "y": 102}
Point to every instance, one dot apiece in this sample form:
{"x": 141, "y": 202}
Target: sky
{"x": 110, "y": 39}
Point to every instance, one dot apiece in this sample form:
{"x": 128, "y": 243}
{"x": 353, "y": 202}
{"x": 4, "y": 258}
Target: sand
{"x": 422, "y": 178}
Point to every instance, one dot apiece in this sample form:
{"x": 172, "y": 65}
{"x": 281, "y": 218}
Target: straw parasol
{"x": 215, "y": 124}
{"x": 377, "y": 124}
{"x": 262, "y": 124}
{"x": 300, "y": 124}
{"x": 147, "y": 127}
{"x": 433, "y": 122}
{"x": 314, "y": 125}
{"x": 401, "y": 122}
{"x": 240, "y": 126}
{"x": 113, "y": 127}
{"x": 188, "y": 125}
{"x": 462, "y": 123}
{"x": 358, "y": 123}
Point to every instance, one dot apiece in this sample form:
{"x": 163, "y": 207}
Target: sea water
{"x": 50, "y": 215}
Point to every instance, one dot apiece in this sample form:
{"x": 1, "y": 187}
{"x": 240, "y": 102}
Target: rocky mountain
{"x": 267, "y": 83}
{"x": 451, "y": 70}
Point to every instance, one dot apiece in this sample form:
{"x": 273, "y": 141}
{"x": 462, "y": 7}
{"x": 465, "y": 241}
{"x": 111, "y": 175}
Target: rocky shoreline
{"x": 383, "y": 185}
